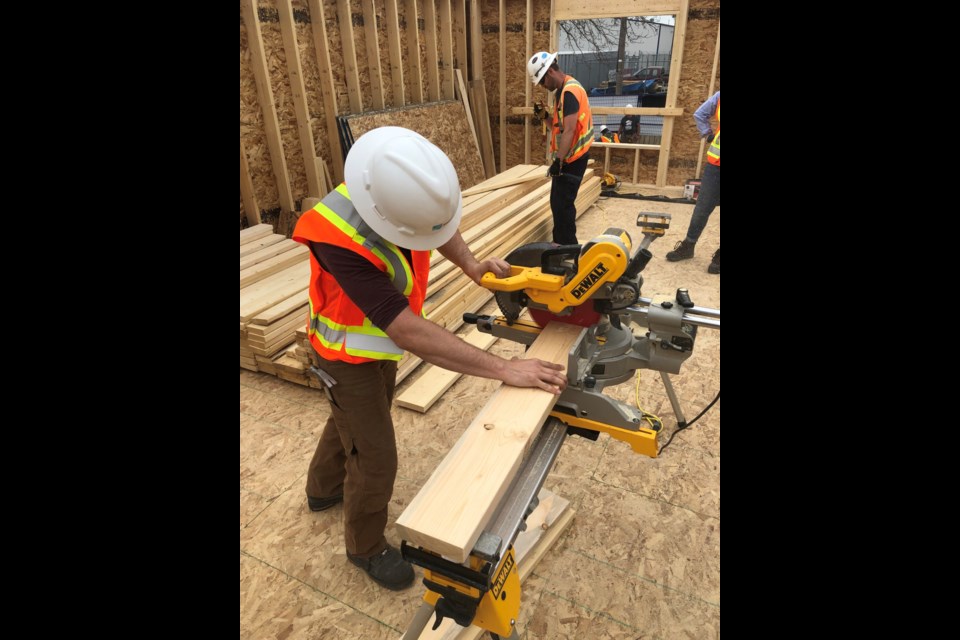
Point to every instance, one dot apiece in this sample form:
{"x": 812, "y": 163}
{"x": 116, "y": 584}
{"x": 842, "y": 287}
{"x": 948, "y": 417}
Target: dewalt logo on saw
{"x": 587, "y": 283}
{"x": 502, "y": 576}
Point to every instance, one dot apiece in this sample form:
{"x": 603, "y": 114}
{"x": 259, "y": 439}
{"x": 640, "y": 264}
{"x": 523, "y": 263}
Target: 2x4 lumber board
{"x": 392, "y": 19}
{"x": 578, "y": 10}
{"x": 373, "y": 52}
{"x": 673, "y": 88}
{"x": 465, "y": 99}
{"x": 444, "y": 518}
{"x": 479, "y": 102}
{"x": 430, "y": 37}
{"x": 503, "y": 84}
{"x": 258, "y": 60}
{"x": 435, "y": 381}
{"x": 282, "y": 308}
{"x": 298, "y": 94}
{"x": 490, "y": 202}
{"x": 545, "y": 525}
{"x": 476, "y": 42}
{"x": 713, "y": 82}
{"x": 277, "y": 263}
{"x": 345, "y": 21}
{"x": 279, "y": 331}
{"x": 254, "y": 233}
{"x": 267, "y": 252}
{"x": 327, "y": 90}
{"x": 620, "y": 111}
{"x": 482, "y": 188}
{"x": 527, "y": 86}
{"x": 460, "y": 36}
{"x": 446, "y": 50}
{"x": 260, "y": 243}
{"x": 272, "y": 290}
{"x": 626, "y": 145}
{"x": 250, "y": 206}
{"x": 413, "y": 52}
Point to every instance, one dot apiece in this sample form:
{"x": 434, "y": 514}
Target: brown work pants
{"x": 357, "y": 452}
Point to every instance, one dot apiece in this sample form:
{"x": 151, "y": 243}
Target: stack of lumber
{"x": 499, "y": 215}
{"x": 274, "y": 273}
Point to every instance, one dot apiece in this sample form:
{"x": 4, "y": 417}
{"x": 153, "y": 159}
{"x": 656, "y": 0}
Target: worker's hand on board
{"x": 535, "y": 373}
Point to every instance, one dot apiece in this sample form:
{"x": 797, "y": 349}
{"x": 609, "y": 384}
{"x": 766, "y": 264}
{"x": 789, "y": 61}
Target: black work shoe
{"x": 715, "y": 264}
{"x": 387, "y": 568}
{"x": 319, "y": 504}
{"x": 683, "y": 250}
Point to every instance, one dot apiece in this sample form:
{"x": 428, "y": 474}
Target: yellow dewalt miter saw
{"x": 595, "y": 286}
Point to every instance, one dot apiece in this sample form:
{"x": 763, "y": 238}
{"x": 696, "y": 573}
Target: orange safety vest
{"x": 713, "y": 151}
{"x": 583, "y": 136}
{"x": 338, "y": 329}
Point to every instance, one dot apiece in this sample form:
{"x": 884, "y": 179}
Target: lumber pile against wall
{"x": 274, "y": 273}
{"x": 494, "y": 223}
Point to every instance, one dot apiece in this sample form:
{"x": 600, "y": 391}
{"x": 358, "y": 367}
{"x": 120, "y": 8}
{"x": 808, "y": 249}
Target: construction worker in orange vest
{"x": 607, "y": 136}
{"x": 570, "y": 141}
{"x": 709, "y": 197}
{"x": 370, "y": 242}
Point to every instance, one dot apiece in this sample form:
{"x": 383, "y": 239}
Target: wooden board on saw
{"x": 433, "y": 382}
{"x": 442, "y": 123}
{"x": 544, "y": 527}
{"x": 445, "y": 519}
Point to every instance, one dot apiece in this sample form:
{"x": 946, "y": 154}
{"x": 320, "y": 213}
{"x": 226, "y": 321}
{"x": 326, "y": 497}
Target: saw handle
{"x": 637, "y": 263}
{"x": 556, "y": 269}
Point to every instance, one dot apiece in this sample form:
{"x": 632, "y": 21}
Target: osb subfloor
{"x": 640, "y": 560}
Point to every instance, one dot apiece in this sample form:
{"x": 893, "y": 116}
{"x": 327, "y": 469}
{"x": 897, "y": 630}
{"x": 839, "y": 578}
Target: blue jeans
{"x": 707, "y": 201}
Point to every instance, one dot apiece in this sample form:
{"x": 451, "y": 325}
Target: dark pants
{"x": 563, "y": 195}
{"x": 707, "y": 201}
{"x": 357, "y": 452}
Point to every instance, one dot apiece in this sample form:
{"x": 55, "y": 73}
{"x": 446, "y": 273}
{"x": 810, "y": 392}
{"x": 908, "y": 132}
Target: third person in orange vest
{"x": 570, "y": 140}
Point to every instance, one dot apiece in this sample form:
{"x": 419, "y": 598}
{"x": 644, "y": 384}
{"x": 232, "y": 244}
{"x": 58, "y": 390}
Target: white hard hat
{"x": 537, "y": 65}
{"x": 404, "y": 187}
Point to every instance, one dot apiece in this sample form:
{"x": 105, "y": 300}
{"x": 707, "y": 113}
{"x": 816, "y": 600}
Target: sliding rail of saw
{"x": 485, "y": 590}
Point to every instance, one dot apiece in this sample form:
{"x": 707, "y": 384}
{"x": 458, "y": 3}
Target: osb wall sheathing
{"x": 443, "y": 123}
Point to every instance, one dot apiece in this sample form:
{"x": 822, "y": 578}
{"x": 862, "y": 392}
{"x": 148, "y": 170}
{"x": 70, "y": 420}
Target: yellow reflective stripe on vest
{"x": 339, "y": 211}
{"x": 586, "y": 138}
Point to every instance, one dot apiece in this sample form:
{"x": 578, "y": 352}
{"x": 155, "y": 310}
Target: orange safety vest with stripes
{"x": 583, "y": 136}
{"x": 713, "y": 151}
{"x": 338, "y": 329}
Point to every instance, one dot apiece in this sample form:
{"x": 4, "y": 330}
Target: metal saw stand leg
{"x": 674, "y": 402}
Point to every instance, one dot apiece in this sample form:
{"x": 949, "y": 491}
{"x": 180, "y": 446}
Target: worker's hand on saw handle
{"x": 535, "y": 373}
{"x": 500, "y": 268}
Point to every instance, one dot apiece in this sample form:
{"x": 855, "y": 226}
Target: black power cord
{"x": 688, "y": 424}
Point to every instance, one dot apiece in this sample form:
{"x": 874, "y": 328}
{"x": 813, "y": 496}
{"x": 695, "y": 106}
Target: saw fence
{"x": 499, "y": 215}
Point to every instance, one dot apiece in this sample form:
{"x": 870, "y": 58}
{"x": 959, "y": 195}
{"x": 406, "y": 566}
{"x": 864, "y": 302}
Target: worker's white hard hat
{"x": 404, "y": 187}
{"x": 538, "y": 65}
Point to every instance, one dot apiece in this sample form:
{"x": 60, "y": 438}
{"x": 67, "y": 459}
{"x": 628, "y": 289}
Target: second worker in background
{"x": 570, "y": 140}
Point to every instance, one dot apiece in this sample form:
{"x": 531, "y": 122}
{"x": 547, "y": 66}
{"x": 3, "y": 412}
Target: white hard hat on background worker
{"x": 537, "y": 65}
{"x": 404, "y": 187}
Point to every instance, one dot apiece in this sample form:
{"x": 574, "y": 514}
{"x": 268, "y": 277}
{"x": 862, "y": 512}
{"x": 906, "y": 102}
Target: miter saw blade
{"x": 512, "y": 303}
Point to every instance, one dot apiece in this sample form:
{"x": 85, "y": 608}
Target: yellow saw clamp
{"x": 595, "y": 286}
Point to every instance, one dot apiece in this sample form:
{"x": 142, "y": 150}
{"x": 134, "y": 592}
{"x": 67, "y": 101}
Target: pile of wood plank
{"x": 499, "y": 215}
{"x": 274, "y": 274}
